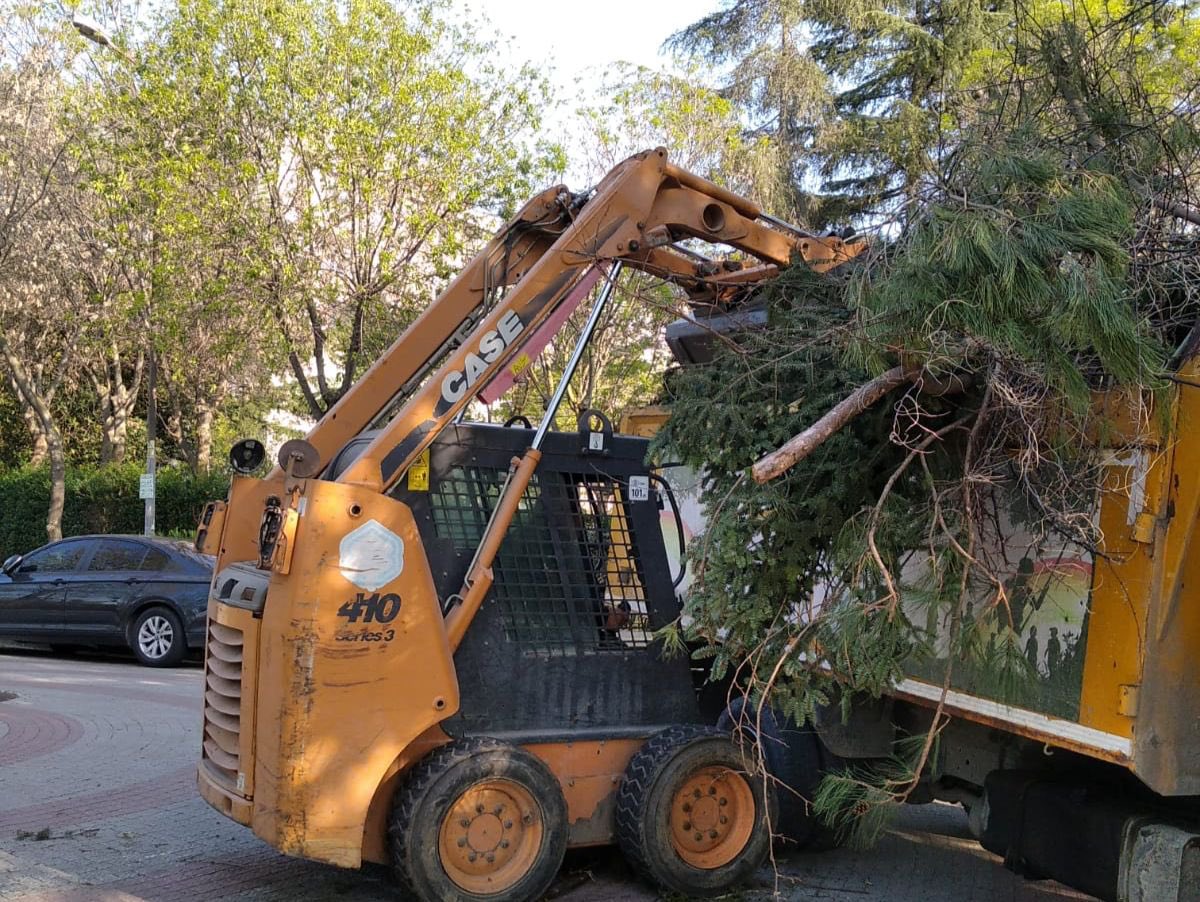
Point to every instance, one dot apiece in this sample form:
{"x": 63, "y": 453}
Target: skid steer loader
{"x": 431, "y": 643}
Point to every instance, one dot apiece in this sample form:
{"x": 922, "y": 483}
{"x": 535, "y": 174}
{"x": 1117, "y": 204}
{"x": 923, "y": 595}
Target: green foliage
{"x": 101, "y": 500}
{"x": 859, "y": 802}
{"x": 848, "y": 93}
{"x": 768, "y": 546}
{"x": 1030, "y": 266}
{"x": 14, "y": 436}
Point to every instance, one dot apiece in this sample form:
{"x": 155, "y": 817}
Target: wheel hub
{"x": 155, "y": 636}
{"x": 712, "y": 817}
{"x": 490, "y": 836}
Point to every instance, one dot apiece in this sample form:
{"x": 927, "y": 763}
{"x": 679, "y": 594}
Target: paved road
{"x": 97, "y": 802}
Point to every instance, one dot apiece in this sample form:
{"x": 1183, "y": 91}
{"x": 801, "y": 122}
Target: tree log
{"x": 800, "y": 446}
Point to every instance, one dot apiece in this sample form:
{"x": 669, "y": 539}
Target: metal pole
{"x": 584, "y": 337}
{"x": 787, "y": 226}
{"x": 151, "y": 436}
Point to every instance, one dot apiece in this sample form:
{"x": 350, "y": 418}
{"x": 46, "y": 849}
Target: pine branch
{"x": 799, "y": 446}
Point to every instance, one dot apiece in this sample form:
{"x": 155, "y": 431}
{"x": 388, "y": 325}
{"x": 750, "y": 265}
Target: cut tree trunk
{"x": 798, "y": 447}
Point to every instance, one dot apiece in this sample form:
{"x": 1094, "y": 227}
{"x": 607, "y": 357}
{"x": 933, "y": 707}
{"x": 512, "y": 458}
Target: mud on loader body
{"x": 430, "y": 643}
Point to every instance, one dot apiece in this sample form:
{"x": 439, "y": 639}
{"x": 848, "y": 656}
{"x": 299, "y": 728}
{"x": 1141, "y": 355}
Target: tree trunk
{"x": 108, "y": 452}
{"x": 117, "y": 400}
{"x": 36, "y": 434}
{"x": 204, "y": 428}
{"x": 58, "y": 485}
{"x": 40, "y": 405}
{"x": 116, "y": 406}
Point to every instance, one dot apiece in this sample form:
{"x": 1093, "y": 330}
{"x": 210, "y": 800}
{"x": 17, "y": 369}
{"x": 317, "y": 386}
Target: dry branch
{"x": 798, "y": 447}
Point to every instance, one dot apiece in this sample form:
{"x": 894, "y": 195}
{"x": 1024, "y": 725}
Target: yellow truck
{"x": 431, "y": 642}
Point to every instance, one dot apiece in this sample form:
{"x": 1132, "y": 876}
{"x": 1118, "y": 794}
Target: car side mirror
{"x": 13, "y": 562}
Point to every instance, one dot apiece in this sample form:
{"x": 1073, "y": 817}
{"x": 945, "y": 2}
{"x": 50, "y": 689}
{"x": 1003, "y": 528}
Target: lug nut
{"x": 498, "y": 810}
{"x": 504, "y": 844}
{"x": 472, "y": 856}
{"x": 479, "y": 809}
{"x": 712, "y": 834}
{"x": 462, "y": 842}
{"x": 712, "y": 790}
{"x": 464, "y": 823}
{"x": 696, "y": 793}
{"x": 724, "y": 802}
{"x": 687, "y": 825}
{"x": 491, "y": 857}
{"x": 699, "y": 836}
{"x": 724, "y": 819}
{"x": 527, "y": 819}
{"x": 687, "y": 806}
{"x": 508, "y": 825}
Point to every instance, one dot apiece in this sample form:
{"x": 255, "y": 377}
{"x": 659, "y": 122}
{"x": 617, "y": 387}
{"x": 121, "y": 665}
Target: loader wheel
{"x": 478, "y": 819}
{"x": 690, "y": 818}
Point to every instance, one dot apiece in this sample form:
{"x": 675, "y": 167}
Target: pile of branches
{"x": 871, "y": 430}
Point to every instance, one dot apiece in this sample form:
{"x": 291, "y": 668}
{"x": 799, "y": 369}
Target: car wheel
{"x": 157, "y": 638}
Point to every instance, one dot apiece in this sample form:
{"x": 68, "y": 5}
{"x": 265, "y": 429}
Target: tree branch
{"x": 798, "y": 447}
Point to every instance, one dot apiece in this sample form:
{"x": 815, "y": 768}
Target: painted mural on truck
{"x": 1022, "y": 632}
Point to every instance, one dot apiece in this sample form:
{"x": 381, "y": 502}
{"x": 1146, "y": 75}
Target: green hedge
{"x": 101, "y": 500}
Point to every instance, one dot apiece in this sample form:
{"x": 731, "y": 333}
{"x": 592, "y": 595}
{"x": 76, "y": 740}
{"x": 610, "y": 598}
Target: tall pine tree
{"x": 852, "y": 93}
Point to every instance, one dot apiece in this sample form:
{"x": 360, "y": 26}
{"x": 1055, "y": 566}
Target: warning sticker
{"x": 418, "y": 473}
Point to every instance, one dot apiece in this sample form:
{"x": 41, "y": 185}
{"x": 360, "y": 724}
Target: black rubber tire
{"x": 792, "y": 757}
{"x": 178, "y": 646}
{"x": 805, "y": 762}
{"x": 643, "y": 810}
{"x": 429, "y": 791}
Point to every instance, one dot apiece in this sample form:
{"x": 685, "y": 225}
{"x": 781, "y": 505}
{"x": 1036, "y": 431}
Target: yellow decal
{"x": 418, "y": 473}
{"x": 519, "y": 365}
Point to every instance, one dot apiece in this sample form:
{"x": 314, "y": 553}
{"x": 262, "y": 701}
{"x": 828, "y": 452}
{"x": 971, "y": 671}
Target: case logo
{"x": 491, "y": 345}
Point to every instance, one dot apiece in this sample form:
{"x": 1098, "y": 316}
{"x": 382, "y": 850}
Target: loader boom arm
{"x": 635, "y": 215}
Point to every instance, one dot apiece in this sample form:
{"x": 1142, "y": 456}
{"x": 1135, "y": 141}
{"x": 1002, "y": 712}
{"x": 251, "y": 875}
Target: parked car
{"x": 148, "y": 594}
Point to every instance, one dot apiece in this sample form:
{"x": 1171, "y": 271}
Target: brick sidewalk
{"x": 98, "y": 802}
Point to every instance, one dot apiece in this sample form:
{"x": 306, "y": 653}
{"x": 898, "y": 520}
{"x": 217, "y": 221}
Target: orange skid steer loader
{"x": 431, "y": 643}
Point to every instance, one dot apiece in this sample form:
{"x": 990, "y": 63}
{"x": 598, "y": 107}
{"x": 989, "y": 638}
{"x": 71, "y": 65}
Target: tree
{"x": 41, "y": 322}
{"x": 851, "y": 95}
{"x": 634, "y": 109}
{"x": 360, "y": 149}
{"x": 772, "y": 81}
{"x": 1050, "y": 253}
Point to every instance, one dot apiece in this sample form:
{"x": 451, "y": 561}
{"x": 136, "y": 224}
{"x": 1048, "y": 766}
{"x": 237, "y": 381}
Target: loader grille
{"x": 223, "y": 705}
{"x": 567, "y": 577}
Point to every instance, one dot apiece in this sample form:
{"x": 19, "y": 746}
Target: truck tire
{"x": 478, "y": 819}
{"x": 690, "y": 818}
{"x": 798, "y": 761}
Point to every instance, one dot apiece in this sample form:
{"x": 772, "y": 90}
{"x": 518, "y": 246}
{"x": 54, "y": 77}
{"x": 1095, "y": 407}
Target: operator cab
{"x": 566, "y": 639}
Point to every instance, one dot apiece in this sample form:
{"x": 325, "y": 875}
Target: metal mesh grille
{"x": 566, "y": 576}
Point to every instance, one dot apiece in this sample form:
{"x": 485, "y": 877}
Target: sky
{"x": 573, "y": 43}
{"x": 573, "y": 36}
